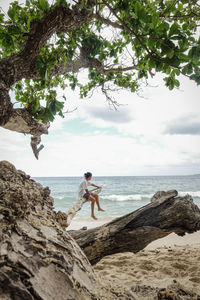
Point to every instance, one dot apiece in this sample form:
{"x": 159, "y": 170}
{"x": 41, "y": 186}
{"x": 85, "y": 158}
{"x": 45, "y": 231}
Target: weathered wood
{"x": 134, "y": 231}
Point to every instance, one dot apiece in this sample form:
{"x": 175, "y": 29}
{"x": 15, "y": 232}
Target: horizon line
{"x": 64, "y": 176}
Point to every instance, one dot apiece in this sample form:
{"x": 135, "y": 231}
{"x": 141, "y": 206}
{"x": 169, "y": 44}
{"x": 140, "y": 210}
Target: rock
{"x": 174, "y": 291}
{"x": 84, "y": 228}
{"x": 162, "y": 196}
{"x": 39, "y": 259}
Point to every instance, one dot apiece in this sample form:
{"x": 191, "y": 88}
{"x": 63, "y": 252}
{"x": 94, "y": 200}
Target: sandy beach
{"x": 169, "y": 261}
{"x": 172, "y": 260}
{"x": 88, "y": 222}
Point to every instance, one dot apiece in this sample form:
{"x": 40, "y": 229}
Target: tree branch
{"x": 70, "y": 66}
{"x": 120, "y": 69}
{"x": 107, "y": 21}
{"x": 21, "y": 120}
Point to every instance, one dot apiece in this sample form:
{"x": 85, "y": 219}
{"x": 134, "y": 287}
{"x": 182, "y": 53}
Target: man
{"x": 85, "y": 193}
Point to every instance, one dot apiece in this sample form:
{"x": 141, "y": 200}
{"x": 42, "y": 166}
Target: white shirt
{"x": 82, "y": 187}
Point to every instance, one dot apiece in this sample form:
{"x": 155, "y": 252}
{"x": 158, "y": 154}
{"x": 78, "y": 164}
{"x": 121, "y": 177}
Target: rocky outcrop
{"x": 133, "y": 232}
{"x": 38, "y": 259}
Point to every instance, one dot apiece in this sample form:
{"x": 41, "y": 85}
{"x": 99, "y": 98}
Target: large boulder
{"x": 39, "y": 259}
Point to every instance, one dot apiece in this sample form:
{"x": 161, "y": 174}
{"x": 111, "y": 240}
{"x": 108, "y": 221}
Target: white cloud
{"x": 111, "y": 116}
{"x": 189, "y": 125}
{"x": 140, "y": 148}
{"x": 71, "y": 155}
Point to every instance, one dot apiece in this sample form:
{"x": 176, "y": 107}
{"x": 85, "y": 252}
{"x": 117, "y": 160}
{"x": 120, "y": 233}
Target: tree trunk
{"x": 134, "y": 231}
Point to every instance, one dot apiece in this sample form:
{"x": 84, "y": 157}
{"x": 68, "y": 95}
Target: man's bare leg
{"x": 97, "y": 202}
{"x": 92, "y": 199}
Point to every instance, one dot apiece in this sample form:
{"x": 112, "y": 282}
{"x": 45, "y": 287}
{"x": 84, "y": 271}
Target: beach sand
{"x": 78, "y": 223}
{"x": 170, "y": 261}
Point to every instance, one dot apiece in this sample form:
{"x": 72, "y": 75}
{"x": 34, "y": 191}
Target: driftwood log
{"x": 165, "y": 214}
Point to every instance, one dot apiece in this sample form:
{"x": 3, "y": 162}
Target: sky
{"x": 156, "y": 134}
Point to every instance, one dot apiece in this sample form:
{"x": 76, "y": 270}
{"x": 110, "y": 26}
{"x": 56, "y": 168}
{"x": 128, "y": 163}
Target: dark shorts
{"x": 86, "y": 195}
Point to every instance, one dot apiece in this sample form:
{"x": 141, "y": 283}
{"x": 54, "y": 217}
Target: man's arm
{"x": 92, "y": 184}
{"x": 87, "y": 191}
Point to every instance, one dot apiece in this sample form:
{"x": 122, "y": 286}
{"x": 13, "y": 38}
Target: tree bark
{"x": 134, "y": 231}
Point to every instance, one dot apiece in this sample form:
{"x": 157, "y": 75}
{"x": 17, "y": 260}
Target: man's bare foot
{"x": 94, "y": 217}
{"x": 101, "y": 209}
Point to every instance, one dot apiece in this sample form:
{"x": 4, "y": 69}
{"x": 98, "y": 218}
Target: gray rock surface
{"x": 38, "y": 258}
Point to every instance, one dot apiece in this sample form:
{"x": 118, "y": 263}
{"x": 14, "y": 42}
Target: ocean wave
{"x": 193, "y": 194}
{"x": 139, "y": 197}
{"x": 133, "y": 197}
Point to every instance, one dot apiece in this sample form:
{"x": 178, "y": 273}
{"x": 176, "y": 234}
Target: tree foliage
{"x": 121, "y": 44}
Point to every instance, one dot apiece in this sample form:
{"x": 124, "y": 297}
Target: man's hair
{"x": 87, "y": 175}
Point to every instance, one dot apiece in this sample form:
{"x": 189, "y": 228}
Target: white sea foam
{"x": 133, "y": 197}
{"x": 139, "y": 197}
{"x": 193, "y": 194}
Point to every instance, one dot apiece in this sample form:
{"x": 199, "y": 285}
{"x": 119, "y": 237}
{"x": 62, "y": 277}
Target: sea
{"x": 119, "y": 195}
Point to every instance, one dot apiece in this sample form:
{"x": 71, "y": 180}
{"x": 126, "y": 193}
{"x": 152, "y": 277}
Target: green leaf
{"x": 50, "y": 116}
{"x": 11, "y": 12}
{"x": 137, "y": 7}
{"x": 43, "y": 4}
{"x": 187, "y": 69}
{"x": 174, "y": 29}
{"x": 177, "y": 83}
{"x": 170, "y": 52}
{"x": 59, "y": 104}
{"x": 195, "y": 78}
{"x": 1, "y": 17}
{"x": 185, "y": 26}
{"x": 194, "y": 54}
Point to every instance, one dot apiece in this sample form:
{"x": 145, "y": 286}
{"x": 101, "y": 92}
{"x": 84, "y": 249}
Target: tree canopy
{"x": 121, "y": 43}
